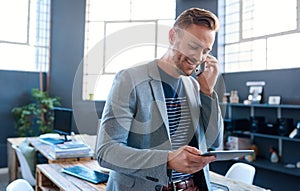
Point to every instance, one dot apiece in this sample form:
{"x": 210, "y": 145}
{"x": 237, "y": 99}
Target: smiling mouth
{"x": 192, "y": 61}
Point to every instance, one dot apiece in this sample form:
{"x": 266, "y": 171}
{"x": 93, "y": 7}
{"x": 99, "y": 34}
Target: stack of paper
{"x": 70, "y": 150}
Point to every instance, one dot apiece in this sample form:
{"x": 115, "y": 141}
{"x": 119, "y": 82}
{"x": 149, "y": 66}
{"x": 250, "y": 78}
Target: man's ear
{"x": 172, "y": 34}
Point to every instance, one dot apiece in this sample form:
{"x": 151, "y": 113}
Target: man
{"x": 158, "y": 118}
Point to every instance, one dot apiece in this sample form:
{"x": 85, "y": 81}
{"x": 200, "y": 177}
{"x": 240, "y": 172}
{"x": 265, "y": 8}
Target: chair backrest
{"x": 25, "y": 169}
{"x": 242, "y": 172}
{"x": 19, "y": 184}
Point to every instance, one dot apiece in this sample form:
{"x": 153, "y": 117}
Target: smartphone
{"x": 200, "y": 68}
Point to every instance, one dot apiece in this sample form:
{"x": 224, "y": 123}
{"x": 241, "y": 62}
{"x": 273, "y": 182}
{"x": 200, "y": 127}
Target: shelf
{"x": 266, "y": 136}
{"x": 283, "y": 106}
{"x": 253, "y": 106}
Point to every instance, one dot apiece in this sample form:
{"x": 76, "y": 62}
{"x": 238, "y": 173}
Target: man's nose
{"x": 201, "y": 57}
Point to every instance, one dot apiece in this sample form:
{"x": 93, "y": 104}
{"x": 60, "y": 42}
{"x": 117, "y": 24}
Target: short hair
{"x": 197, "y": 16}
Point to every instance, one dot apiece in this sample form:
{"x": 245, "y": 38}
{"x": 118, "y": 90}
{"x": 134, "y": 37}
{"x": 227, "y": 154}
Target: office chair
{"x": 19, "y": 184}
{"x": 25, "y": 169}
{"x": 242, "y": 172}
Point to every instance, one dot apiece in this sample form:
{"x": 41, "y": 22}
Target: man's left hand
{"x": 208, "y": 78}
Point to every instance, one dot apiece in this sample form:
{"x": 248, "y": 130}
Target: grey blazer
{"x": 133, "y": 140}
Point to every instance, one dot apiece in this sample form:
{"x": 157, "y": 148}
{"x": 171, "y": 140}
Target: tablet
{"x": 228, "y": 155}
{"x": 86, "y": 174}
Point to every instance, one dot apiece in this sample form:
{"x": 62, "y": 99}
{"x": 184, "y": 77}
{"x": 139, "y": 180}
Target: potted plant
{"x": 36, "y": 117}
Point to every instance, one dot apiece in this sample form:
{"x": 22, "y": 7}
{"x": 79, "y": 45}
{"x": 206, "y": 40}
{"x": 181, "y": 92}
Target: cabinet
{"x": 287, "y": 147}
{"x": 268, "y": 174}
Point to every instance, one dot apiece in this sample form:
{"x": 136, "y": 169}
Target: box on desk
{"x": 238, "y": 143}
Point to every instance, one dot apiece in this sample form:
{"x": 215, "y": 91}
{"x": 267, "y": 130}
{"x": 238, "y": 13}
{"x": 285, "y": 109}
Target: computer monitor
{"x": 62, "y": 123}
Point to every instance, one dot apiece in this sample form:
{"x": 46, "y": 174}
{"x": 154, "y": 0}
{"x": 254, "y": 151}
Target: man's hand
{"x": 187, "y": 159}
{"x": 208, "y": 78}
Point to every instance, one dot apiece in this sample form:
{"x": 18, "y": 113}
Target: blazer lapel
{"x": 158, "y": 94}
{"x": 193, "y": 97}
{"x": 193, "y": 100}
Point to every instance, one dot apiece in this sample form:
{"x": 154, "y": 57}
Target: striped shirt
{"x": 179, "y": 117}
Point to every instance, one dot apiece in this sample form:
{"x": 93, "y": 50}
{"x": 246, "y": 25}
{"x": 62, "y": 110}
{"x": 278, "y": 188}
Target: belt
{"x": 180, "y": 185}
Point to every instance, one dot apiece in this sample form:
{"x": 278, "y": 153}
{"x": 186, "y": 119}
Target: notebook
{"x": 52, "y": 141}
{"x": 85, "y": 173}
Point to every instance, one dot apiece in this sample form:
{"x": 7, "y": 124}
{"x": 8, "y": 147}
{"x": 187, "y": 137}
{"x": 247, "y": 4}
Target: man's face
{"x": 191, "y": 46}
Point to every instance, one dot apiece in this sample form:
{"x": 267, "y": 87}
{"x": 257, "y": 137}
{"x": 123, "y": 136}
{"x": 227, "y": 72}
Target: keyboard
{"x": 88, "y": 174}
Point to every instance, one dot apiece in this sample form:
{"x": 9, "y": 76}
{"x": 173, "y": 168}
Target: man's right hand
{"x": 187, "y": 159}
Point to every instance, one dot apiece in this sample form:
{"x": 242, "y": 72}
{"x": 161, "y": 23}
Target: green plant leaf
{"x": 36, "y": 117}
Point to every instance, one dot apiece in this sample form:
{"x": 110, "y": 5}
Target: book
{"x": 71, "y": 150}
{"x": 71, "y": 145}
{"x": 51, "y": 138}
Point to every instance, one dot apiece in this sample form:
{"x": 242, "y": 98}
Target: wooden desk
{"x": 50, "y": 176}
{"x": 233, "y": 185}
{"x": 12, "y": 161}
{"x": 90, "y": 140}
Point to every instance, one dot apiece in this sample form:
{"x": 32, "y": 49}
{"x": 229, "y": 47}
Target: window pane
{"x": 279, "y": 17}
{"x": 232, "y": 7}
{"x": 103, "y": 86}
{"x": 25, "y": 31}
{"x": 283, "y": 51}
{"x": 42, "y": 58}
{"x": 39, "y": 22}
{"x": 130, "y": 37}
{"x": 100, "y": 10}
{"x": 267, "y": 27}
{"x": 120, "y": 40}
{"x": 162, "y": 33}
{"x": 129, "y": 58}
{"x": 98, "y": 85}
{"x": 14, "y": 56}
{"x": 94, "y": 33}
{"x": 13, "y": 20}
{"x": 234, "y": 35}
{"x": 232, "y": 21}
{"x": 154, "y": 9}
{"x": 247, "y": 56}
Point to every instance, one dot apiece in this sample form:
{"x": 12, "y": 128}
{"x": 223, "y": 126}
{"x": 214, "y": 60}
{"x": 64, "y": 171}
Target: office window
{"x": 24, "y": 35}
{"x": 120, "y": 34}
{"x": 261, "y": 35}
